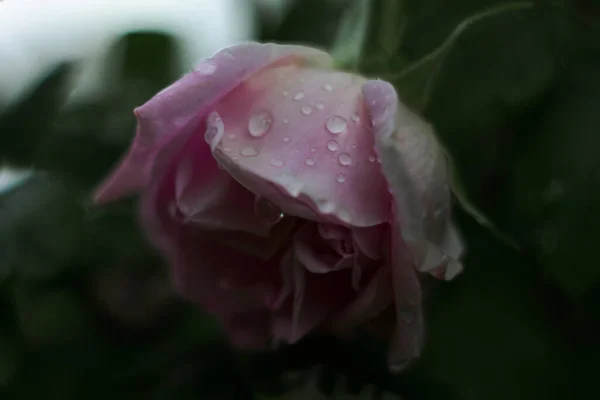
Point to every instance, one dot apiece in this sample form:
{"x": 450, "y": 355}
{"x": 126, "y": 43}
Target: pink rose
{"x": 288, "y": 196}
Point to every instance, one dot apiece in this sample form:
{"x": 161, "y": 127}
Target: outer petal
{"x": 407, "y": 235}
{"x": 177, "y": 109}
{"x": 417, "y": 172}
{"x": 300, "y": 137}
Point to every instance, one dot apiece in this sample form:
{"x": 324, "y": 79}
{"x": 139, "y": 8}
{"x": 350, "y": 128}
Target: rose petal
{"x": 315, "y": 297}
{"x": 315, "y": 261}
{"x": 208, "y": 197}
{"x": 217, "y": 277}
{"x": 178, "y": 109}
{"x": 416, "y": 169}
{"x": 300, "y": 137}
{"x": 375, "y": 298}
{"x": 407, "y": 237}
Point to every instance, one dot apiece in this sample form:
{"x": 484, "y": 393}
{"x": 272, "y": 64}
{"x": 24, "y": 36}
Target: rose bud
{"x": 288, "y": 197}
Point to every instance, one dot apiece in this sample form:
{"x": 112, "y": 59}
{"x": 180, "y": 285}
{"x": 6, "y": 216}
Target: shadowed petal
{"x": 407, "y": 240}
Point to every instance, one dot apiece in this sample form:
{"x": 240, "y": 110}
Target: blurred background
{"x": 87, "y": 309}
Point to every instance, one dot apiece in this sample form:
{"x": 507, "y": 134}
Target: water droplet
{"x": 355, "y": 117}
{"x": 306, "y": 109}
{"x": 214, "y": 129}
{"x": 211, "y": 132}
{"x": 309, "y": 161}
{"x": 259, "y": 124}
{"x": 205, "y": 68}
{"x": 332, "y": 145}
{"x": 328, "y": 87}
{"x": 299, "y": 96}
{"x": 227, "y": 149}
{"x": 353, "y": 146}
{"x": 285, "y": 93}
{"x": 231, "y": 136}
{"x": 286, "y": 121}
{"x": 345, "y": 159}
{"x": 228, "y": 54}
{"x": 249, "y": 151}
{"x": 286, "y": 139}
{"x": 340, "y": 178}
{"x": 313, "y": 150}
{"x": 266, "y": 211}
{"x": 372, "y": 159}
{"x": 336, "y": 124}
{"x": 319, "y": 105}
{"x": 277, "y": 162}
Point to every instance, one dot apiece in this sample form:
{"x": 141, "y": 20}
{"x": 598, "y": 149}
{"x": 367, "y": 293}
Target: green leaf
{"x": 310, "y": 22}
{"x": 24, "y": 124}
{"x": 553, "y": 191}
{"x": 50, "y": 316}
{"x": 352, "y": 33}
{"x": 417, "y": 81}
{"x": 40, "y": 225}
{"x": 491, "y": 333}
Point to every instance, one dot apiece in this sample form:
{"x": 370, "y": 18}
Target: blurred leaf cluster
{"x": 512, "y": 90}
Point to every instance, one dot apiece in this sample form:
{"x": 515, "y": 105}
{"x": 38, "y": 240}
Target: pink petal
{"x": 391, "y": 131}
{"x": 317, "y": 257}
{"x": 417, "y": 172}
{"x": 300, "y": 137}
{"x": 209, "y": 198}
{"x": 220, "y": 279}
{"x": 374, "y": 299}
{"x": 315, "y": 297}
{"x": 178, "y": 109}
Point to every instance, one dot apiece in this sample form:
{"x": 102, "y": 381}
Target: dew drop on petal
{"x": 249, "y": 151}
{"x": 214, "y": 129}
{"x": 286, "y": 121}
{"x": 276, "y": 162}
{"x": 299, "y": 96}
{"x": 328, "y": 87}
{"x": 286, "y": 139}
{"x": 285, "y": 93}
{"x": 355, "y": 117}
{"x": 231, "y": 136}
{"x": 345, "y": 159}
{"x": 205, "y": 68}
{"x": 319, "y": 105}
{"x": 309, "y": 161}
{"x": 306, "y": 109}
{"x": 340, "y": 178}
{"x": 259, "y": 124}
{"x": 266, "y": 211}
{"x": 332, "y": 145}
{"x": 372, "y": 159}
{"x": 313, "y": 150}
{"x": 227, "y": 149}
{"x": 336, "y": 124}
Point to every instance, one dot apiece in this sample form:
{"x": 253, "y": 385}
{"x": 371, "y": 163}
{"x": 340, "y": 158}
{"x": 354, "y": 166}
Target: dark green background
{"x": 86, "y": 310}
